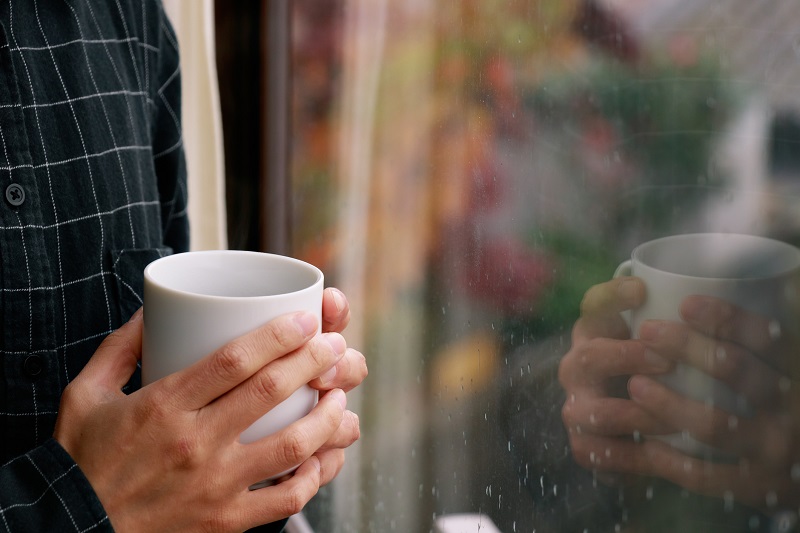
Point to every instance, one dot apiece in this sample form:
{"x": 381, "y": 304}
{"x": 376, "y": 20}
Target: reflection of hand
{"x": 601, "y": 420}
{"x": 167, "y": 457}
{"x": 751, "y": 355}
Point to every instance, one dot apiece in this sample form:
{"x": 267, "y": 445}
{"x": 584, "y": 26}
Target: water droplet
{"x": 771, "y": 499}
{"x": 721, "y": 353}
{"x": 795, "y": 472}
{"x": 649, "y": 493}
{"x": 753, "y": 523}
{"x": 774, "y": 330}
{"x": 593, "y": 419}
{"x": 727, "y": 497}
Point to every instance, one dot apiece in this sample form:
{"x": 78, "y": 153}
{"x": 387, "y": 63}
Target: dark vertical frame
{"x": 254, "y": 69}
{"x": 276, "y": 73}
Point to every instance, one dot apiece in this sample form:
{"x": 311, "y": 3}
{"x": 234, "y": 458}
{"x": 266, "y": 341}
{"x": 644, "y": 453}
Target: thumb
{"x": 115, "y": 360}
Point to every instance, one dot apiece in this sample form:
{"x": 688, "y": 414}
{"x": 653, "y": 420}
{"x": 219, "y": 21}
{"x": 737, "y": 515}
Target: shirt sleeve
{"x": 44, "y": 490}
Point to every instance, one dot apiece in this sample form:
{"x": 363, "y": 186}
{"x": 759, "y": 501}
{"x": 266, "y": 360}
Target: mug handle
{"x": 625, "y": 269}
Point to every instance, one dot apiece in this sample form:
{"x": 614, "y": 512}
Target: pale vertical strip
{"x": 193, "y": 21}
{"x": 364, "y": 40}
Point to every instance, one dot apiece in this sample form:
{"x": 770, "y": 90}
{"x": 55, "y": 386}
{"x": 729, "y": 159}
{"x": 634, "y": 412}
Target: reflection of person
{"x": 93, "y": 178}
{"x": 612, "y": 400}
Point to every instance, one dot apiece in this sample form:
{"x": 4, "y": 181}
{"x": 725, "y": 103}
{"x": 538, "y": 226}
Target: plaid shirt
{"x": 92, "y": 188}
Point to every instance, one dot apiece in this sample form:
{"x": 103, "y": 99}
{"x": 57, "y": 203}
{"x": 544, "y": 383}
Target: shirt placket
{"x": 29, "y": 352}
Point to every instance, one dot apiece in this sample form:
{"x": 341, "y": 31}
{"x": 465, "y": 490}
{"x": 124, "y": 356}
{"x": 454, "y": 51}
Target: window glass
{"x": 466, "y": 171}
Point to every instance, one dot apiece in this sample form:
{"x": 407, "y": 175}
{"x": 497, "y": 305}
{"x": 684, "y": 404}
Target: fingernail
{"x": 338, "y": 300}
{"x": 657, "y": 361}
{"x": 637, "y": 387}
{"x": 307, "y": 322}
{"x": 328, "y": 376}
{"x": 339, "y": 396}
{"x": 336, "y": 342}
{"x": 137, "y": 315}
{"x": 316, "y": 463}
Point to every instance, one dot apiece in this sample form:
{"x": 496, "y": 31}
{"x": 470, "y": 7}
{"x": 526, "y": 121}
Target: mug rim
{"x": 151, "y": 279}
{"x": 792, "y": 250}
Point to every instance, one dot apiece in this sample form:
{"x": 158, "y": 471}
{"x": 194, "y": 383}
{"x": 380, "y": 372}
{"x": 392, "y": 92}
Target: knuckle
{"x": 184, "y": 452}
{"x": 284, "y": 339}
{"x": 296, "y": 499}
{"x": 295, "y": 447}
{"x": 151, "y": 410}
{"x": 321, "y": 353}
{"x": 231, "y": 360}
{"x": 268, "y": 385}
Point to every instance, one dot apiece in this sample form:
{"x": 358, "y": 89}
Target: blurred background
{"x": 464, "y": 171}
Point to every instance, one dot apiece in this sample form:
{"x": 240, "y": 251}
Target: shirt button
{"x": 15, "y": 195}
{"x": 33, "y": 366}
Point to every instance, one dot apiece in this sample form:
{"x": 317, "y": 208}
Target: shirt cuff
{"x": 75, "y": 492}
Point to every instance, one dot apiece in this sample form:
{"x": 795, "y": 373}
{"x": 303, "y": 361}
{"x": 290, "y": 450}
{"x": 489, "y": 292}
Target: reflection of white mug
{"x": 755, "y": 273}
{"x": 196, "y": 302}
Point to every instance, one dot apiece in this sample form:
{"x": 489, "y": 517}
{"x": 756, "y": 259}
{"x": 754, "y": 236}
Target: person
{"x": 94, "y": 187}
{"x": 614, "y": 403}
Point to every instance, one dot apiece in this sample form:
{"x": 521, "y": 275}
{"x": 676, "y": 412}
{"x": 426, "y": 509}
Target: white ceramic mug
{"x": 755, "y": 273}
{"x": 196, "y": 302}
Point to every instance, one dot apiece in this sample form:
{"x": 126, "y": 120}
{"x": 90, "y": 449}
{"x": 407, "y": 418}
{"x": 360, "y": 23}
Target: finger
{"x": 613, "y": 297}
{"x": 280, "y": 501}
{"x": 763, "y": 439}
{"x": 234, "y": 363}
{"x": 724, "y": 320}
{"x": 331, "y": 462}
{"x": 611, "y": 417}
{"x": 741, "y": 482}
{"x": 239, "y": 408}
{"x": 595, "y": 362}
{"x": 292, "y": 445}
{"x": 335, "y": 310}
{"x": 347, "y": 374}
{"x": 728, "y": 362}
{"x": 346, "y": 434}
{"x": 607, "y": 326}
{"x": 613, "y": 455}
{"x": 115, "y": 360}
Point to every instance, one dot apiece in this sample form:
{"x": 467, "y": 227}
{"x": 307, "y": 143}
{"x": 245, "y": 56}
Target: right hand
{"x": 167, "y": 457}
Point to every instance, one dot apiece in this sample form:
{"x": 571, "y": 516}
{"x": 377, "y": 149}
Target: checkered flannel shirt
{"x": 92, "y": 188}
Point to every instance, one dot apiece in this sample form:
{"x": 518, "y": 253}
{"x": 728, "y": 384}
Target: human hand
{"x": 754, "y": 357}
{"x": 167, "y": 457}
{"x": 602, "y": 421}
